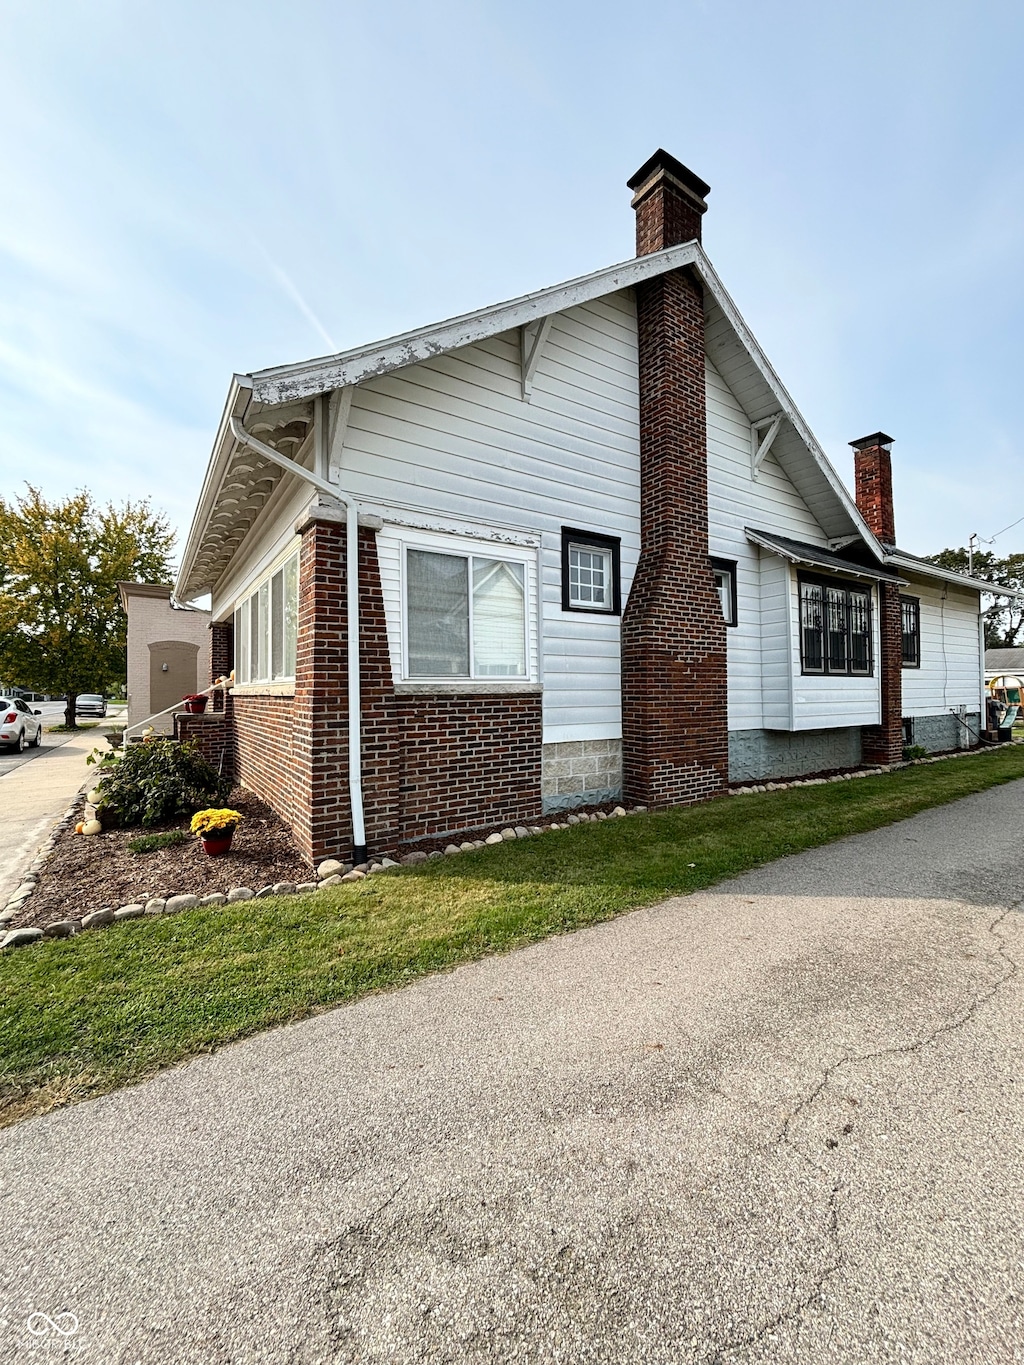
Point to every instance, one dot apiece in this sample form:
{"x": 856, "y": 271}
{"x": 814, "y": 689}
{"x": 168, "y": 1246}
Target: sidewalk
{"x": 36, "y": 793}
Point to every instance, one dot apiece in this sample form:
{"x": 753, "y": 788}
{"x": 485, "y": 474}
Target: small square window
{"x": 725, "y": 585}
{"x": 590, "y": 572}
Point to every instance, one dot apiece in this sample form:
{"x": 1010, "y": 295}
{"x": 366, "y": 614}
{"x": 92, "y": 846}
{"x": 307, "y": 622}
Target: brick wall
{"x": 884, "y": 743}
{"x": 222, "y": 649}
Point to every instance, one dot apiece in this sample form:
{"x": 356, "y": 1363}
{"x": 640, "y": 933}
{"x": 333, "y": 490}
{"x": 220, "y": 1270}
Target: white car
{"x": 19, "y": 724}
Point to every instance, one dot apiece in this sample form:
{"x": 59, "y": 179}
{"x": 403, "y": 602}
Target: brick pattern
{"x": 467, "y": 762}
{"x": 884, "y": 743}
{"x": 666, "y": 216}
{"x": 222, "y": 649}
{"x": 873, "y": 480}
{"x": 215, "y": 736}
{"x": 675, "y": 745}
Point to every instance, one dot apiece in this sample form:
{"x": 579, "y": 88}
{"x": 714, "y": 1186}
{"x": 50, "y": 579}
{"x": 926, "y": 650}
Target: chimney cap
{"x": 664, "y": 161}
{"x": 877, "y": 438}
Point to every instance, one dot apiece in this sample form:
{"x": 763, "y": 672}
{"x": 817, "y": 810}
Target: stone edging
{"x": 331, "y": 872}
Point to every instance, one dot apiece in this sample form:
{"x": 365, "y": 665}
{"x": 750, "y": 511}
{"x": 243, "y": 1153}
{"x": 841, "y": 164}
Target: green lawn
{"x": 78, "y": 1018}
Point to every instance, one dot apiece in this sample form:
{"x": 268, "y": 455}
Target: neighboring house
{"x": 999, "y": 662}
{"x": 168, "y": 652}
{"x": 600, "y": 554}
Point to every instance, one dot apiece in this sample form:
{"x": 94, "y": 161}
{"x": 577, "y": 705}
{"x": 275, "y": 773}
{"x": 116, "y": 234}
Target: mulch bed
{"x": 94, "y": 872}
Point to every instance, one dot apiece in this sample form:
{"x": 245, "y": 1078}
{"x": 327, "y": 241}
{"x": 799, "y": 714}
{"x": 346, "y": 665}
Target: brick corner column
{"x": 323, "y": 820}
{"x": 222, "y": 649}
{"x": 883, "y": 743}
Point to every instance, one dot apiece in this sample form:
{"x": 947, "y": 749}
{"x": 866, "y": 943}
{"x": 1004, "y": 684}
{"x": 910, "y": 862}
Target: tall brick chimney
{"x": 675, "y": 740}
{"x": 669, "y": 201}
{"x": 873, "y": 478}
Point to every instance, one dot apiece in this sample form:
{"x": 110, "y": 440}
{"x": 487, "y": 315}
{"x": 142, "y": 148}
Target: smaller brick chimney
{"x": 873, "y": 477}
{"x": 669, "y": 201}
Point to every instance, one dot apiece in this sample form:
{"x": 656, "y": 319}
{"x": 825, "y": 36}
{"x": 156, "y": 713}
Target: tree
{"x": 61, "y": 624}
{"x": 1004, "y": 623}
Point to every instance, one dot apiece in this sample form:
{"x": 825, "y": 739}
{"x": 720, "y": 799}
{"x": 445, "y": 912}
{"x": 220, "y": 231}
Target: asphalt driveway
{"x": 778, "y": 1121}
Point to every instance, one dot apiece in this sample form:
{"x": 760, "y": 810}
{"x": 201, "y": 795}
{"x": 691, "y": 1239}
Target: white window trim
{"x": 245, "y": 599}
{"x": 469, "y": 548}
{"x": 605, "y": 551}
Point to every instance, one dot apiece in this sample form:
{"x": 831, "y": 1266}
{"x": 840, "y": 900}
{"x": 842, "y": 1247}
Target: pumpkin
{"x": 92, "y": 827}
{"x": 80, "y": 826}
{"x": 93, "y": 797}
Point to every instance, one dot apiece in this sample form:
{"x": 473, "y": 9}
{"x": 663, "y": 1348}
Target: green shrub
{"x": 150, "y": 843}
{"x": 158, "y": 781}
{"x": 915, "y": 751}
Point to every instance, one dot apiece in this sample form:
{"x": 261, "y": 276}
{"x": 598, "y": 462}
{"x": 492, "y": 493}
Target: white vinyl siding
{"x": 450, "y": 445}
{"x": 758, "y": 663}
{"x": 950, "y": 672}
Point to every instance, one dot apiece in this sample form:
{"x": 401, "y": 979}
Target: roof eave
{"x": 238, "y": 400}
{"x": 913, "y": 565}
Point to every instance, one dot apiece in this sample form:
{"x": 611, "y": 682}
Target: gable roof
{"x": 238, "y": 484}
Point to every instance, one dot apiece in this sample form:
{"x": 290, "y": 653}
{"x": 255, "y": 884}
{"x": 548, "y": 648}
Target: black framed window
{"x": 910, "y": 616}
{"x": 590, "y": 572}
{"x": 835, "y": 627}
{"x": 725, "y": 585}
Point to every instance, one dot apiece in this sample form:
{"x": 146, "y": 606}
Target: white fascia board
{"x": 795, "y": 557}
{"x": 747, "y": 340}
{"x": 912, "y": 565}
{"x": 238, "y": 400}
{"x": 288, "y": 382}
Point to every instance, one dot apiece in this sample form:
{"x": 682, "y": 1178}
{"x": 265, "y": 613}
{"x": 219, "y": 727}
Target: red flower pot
{"x": 195, "y": 706}
{"x": 216, "y": 845}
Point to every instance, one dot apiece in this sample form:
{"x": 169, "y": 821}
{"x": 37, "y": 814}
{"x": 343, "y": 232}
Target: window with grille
{"x": 590, "y": 571}
{"x": 835, "y": 628}
{"x": 910, "y": 615}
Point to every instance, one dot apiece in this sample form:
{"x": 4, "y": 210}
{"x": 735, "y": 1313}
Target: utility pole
{"x": 970, "y": 554}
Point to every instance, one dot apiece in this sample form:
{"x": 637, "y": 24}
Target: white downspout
{"x": 355, "y": 749}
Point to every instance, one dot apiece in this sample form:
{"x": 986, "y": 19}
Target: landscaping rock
{"x": 176, "y": 903}
{"x": 452, "y": 848}
{"x": 374, "y": 867}
{"x": 62, "y": 928}
{"x": 155, "y": 906}
{"x": 388, "y": 862}
{"x": 522, "y": 832}
{"x": 331, "y": 881}
{"x": 284, "y": 888}
{"x": 572, "y": 820}
{"x": 354, "y": 876}
{"x": 239, "y": 893}
{"x": 20, "y": 938}
{"x": 508, "y": 834}
{"x": 303, "y": 888}
{"x": 331, "y": 867}
{"x": 467, "y": 847}
{"x": 600, "y": 815}
{"x": 479, "y": 843}
{"x": 411, "y": 859}
{"x": 536, "y": 829}
{"x": 639, "y": 808}
{"x": 435, "y": 853}
{"x": 214, "y": 898}
{"x": 134, "y": 911}
{"x": 98, "y": 919}
{"x": 263, "y": 893}
{"x": 495, "y": 839}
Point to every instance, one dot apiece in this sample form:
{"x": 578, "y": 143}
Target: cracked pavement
{"x": 776, "y": 1121}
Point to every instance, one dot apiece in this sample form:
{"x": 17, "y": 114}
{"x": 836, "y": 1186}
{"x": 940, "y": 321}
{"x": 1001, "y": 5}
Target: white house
{"x": 570, "y": 548}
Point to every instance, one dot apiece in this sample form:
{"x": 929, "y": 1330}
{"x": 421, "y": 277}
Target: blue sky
{"x": 203, "y": 187}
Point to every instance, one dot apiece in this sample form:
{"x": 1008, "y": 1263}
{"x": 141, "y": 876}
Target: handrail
{"x": 174, "y": 706}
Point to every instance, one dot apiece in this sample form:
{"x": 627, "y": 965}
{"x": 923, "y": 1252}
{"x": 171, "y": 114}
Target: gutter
{"x": 355, "y": 751}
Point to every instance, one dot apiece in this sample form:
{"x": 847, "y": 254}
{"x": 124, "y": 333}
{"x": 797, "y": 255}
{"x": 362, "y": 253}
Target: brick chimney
{"x": 675, "y": 741}
{"x": 669, "y": 201}
{"x": 873, "y": 478}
